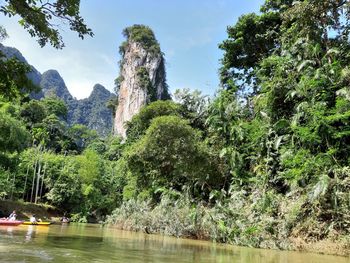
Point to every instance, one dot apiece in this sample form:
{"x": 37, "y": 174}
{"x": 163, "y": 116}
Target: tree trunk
{"x": 33, "y": 181}
{"x": 37, "y": 183}
{"x": 13, "y": 185}
{"x": 25, "y": 183}
{"x": 42, "y": 182}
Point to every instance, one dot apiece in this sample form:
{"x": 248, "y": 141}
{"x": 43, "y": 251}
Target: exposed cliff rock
{"x": 92, "y": 111}
{"x": 142, "y": 75}
{"x": 52, "y": 84}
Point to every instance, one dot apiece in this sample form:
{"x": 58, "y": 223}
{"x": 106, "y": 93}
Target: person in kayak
{"x": 33, "y": 219}
{"x": 12, "y": 216}
{"x": 65, "y": 219}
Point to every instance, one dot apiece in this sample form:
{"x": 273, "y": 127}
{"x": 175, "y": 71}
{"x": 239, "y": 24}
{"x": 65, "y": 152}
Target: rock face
{"x": 52, "y": 84}
{"x": 142, "y": 75}
{"x": 92, "y": 111}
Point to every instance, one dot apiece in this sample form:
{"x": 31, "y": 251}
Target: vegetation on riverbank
{"x": 265, "y": 163}
{"x": 270, "y": 221}
{"x": 276, "y": 136}
{"x": 25, "y": 210}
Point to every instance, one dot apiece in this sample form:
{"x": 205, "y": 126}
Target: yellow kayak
{"x": 37, "y": 223}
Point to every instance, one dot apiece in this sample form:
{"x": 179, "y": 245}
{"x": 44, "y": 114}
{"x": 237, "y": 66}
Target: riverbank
{"x": 24, "y": 210}
{"x": 238, "y": 222}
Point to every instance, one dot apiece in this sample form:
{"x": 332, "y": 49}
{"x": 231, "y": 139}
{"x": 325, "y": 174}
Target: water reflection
{"x": 93, "y": 243}
{"x": 29, "y": 234}
{"x": 7, "y": 231}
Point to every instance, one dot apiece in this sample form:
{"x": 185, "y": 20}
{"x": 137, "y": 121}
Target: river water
{"x": 93, "y": 243}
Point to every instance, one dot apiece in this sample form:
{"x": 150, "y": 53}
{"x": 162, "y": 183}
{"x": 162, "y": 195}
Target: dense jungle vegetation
{"x": 264, "y": 163}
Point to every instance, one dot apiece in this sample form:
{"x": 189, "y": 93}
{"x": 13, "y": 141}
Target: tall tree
{"x": 40, "y": 18}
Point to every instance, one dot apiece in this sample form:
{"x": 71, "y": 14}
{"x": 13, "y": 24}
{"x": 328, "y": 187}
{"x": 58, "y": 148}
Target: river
{"x": 94, "y": 243}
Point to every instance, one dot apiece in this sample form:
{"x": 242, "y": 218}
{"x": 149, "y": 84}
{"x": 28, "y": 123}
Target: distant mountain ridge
{"x": 91, "y": 112}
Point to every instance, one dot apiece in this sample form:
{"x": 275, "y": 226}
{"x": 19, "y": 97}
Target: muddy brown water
{"x": 94, "y": 243}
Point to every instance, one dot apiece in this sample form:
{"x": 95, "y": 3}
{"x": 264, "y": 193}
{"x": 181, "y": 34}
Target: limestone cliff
{"x": 142, "y": 75}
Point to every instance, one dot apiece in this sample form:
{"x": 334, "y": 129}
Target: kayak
{"x": 5, "y": 222}
{"x": 37, "y": 223}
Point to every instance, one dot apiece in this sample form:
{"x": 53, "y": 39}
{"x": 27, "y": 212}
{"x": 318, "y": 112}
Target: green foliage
{"x": 143, "y": 35}
{"x": 82, "y": 135}
{"x": 64, "y": 184}
{"x": 33, "y": 112}
{"x": 13, "y": 135}
{"x": 55, "y": 106}
{"x": 85, "y": 185}
{"x": 114, "y": 149}
{"x": 117, "y": 83}
{"x": 170, "y": 154}
{"x": 3, "y": 34}
{"x": 98, "y": 146}
{"x": 40, "y": 19}
{"x": 14, "y": 84}
{"x": 252, "y": 39}
{"x": 5, "y": 183}
{"x": 265, "y": 162}
{"x": 140, "y": 122}
{"x": 145, "y": 82}
{"x": 89, "y": 164}
{"x": 194, "y": 106}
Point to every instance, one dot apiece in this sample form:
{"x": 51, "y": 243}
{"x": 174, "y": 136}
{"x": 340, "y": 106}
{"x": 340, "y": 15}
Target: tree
{"x": 141, "y": 121}
{"x": 33, "y": 112}
{"x": 40, "y": 21}
{"x": 172, "y": 155}
{"x": 3, "y": 34}
{"x": 82, "y": 136}
{"x": 13, "y": 135}
{"x": 56, "y": 107}
{"x": 253, "y": 38}
{"x": 297, "y": 70}
{"x": 115, "y": 148}
{"x": 14, "y": 84}
{"x": 194, "y": 106}
{"x": 63, "y": 183}
{"x": 140, "y": 34}
{"x": 40, "y": 18}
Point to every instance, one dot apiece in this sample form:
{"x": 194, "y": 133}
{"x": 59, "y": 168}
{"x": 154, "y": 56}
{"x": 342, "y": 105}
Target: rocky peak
{"x": 142, "y": 75}
{"x": 100, "y": 92}
{"x": 10, "y": 52}
{"x": 92, "y": 111}
{"x": 52, "y": 84}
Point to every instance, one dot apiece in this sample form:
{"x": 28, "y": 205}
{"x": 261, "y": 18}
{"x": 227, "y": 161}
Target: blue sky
{"x": 188, "y": 31}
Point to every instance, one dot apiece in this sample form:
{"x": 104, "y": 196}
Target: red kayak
{"x": 5, "y": 222}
